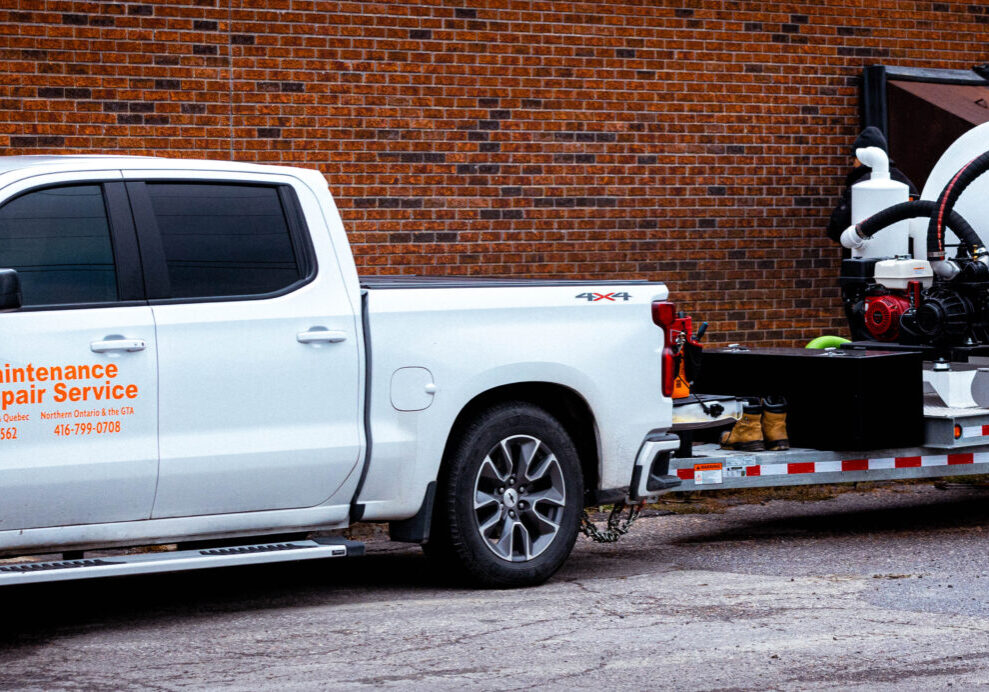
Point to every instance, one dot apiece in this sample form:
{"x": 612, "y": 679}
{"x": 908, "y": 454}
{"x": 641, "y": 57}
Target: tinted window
{"x": 58, "y": 240}
{"x": 223, "y": 240}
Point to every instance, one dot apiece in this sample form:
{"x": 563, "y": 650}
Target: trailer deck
{"x": 956, "y": 444}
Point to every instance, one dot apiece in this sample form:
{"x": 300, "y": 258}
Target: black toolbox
{"x": 841, "y": 399}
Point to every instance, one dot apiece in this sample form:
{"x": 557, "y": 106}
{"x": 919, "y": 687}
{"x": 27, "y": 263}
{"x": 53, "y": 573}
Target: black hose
{"x": 941, "y": 215}
{"x": 921, "y": 207}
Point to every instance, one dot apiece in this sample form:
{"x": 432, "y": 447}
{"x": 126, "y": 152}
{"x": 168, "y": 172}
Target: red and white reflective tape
{"x": 973, "y": 431}
{"x": 855, "y": 465}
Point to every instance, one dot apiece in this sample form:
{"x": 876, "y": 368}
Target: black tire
{"x": 508, "y": 541}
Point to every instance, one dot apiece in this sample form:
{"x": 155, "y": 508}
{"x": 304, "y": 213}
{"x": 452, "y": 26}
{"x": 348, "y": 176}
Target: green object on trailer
{"x": 828, "y": 341}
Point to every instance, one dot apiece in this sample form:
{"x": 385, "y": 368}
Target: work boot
{"x": 774, "y": 423}
{"x": 746, "y": 435}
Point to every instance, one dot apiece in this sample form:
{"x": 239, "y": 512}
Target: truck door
{"x": 78, "y": 400}
{"x": 257, "y": 349}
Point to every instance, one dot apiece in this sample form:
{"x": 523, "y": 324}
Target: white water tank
{"x": 874, "y": 195}
{"x": 973, "y": 204}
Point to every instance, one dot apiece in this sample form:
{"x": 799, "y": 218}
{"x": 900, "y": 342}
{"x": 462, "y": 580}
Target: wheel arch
{"x": 563, "y": 403}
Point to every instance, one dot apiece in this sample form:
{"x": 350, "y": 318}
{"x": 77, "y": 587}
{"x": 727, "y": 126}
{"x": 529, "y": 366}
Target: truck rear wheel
{"x": 509, "y": 500}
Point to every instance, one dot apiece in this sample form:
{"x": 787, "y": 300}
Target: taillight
{"x": 663, "y": 315}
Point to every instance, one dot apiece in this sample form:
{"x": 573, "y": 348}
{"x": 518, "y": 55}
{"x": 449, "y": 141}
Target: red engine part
{"x": 882, "y": 315}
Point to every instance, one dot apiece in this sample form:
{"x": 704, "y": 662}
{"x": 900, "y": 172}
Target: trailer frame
{"x": 712, "y": 468}
{"x": 956, "y": 444}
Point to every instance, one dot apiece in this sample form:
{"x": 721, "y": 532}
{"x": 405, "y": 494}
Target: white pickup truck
{"x": 187, "y": 355}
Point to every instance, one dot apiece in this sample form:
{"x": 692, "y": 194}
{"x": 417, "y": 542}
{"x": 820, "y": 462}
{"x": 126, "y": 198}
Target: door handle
{"x": 117, "y": 344}
{"x": 320, "y": 335}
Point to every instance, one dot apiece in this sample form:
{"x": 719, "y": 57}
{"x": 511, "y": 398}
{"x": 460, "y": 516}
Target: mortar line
{"x": 230, "y": 72}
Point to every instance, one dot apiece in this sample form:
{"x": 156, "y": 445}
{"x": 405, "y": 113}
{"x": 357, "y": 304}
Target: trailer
{"x": 955, "y": 442}
{"x": 903, "y": 401}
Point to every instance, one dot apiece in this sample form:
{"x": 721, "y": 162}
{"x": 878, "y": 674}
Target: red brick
{"x": 697, "y": 145}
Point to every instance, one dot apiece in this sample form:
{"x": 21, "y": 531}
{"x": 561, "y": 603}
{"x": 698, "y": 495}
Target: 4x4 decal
{"x": 595, "y": 297}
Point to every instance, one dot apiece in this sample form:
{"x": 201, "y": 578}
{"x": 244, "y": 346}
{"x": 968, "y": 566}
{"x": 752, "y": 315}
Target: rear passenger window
{"x": 58, "y": 240}
{"x": 223, "y": 240}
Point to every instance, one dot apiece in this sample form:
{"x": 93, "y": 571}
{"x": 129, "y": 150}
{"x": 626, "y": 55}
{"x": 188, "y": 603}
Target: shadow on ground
{"x": 39, "y": 613}
{"x": 969, "y": 510}
{"x": 31, "y": 611}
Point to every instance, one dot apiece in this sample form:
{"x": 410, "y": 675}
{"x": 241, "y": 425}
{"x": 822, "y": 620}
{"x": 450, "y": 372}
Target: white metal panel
{"x": 252, "y": 419}
{"x": 475, "y": 339}
{"x": 102, "y": 465}
{"x": 123, "y": 533}
{"x": 412, "y": 389}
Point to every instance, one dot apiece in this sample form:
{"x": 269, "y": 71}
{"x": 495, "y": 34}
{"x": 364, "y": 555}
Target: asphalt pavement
{"x": 885, "y": 589}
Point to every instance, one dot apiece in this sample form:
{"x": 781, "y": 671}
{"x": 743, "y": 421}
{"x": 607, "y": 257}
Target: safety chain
{"x": 617, "y": 527}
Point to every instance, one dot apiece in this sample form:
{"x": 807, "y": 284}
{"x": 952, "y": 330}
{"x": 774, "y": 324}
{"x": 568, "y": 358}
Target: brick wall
{"x": 697, "y": 142}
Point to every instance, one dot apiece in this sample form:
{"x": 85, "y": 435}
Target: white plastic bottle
{"x": 874, "y": 195}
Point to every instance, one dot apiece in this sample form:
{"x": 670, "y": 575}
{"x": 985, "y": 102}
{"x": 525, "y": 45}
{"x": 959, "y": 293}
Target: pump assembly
{"x": 915, "y": 297}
